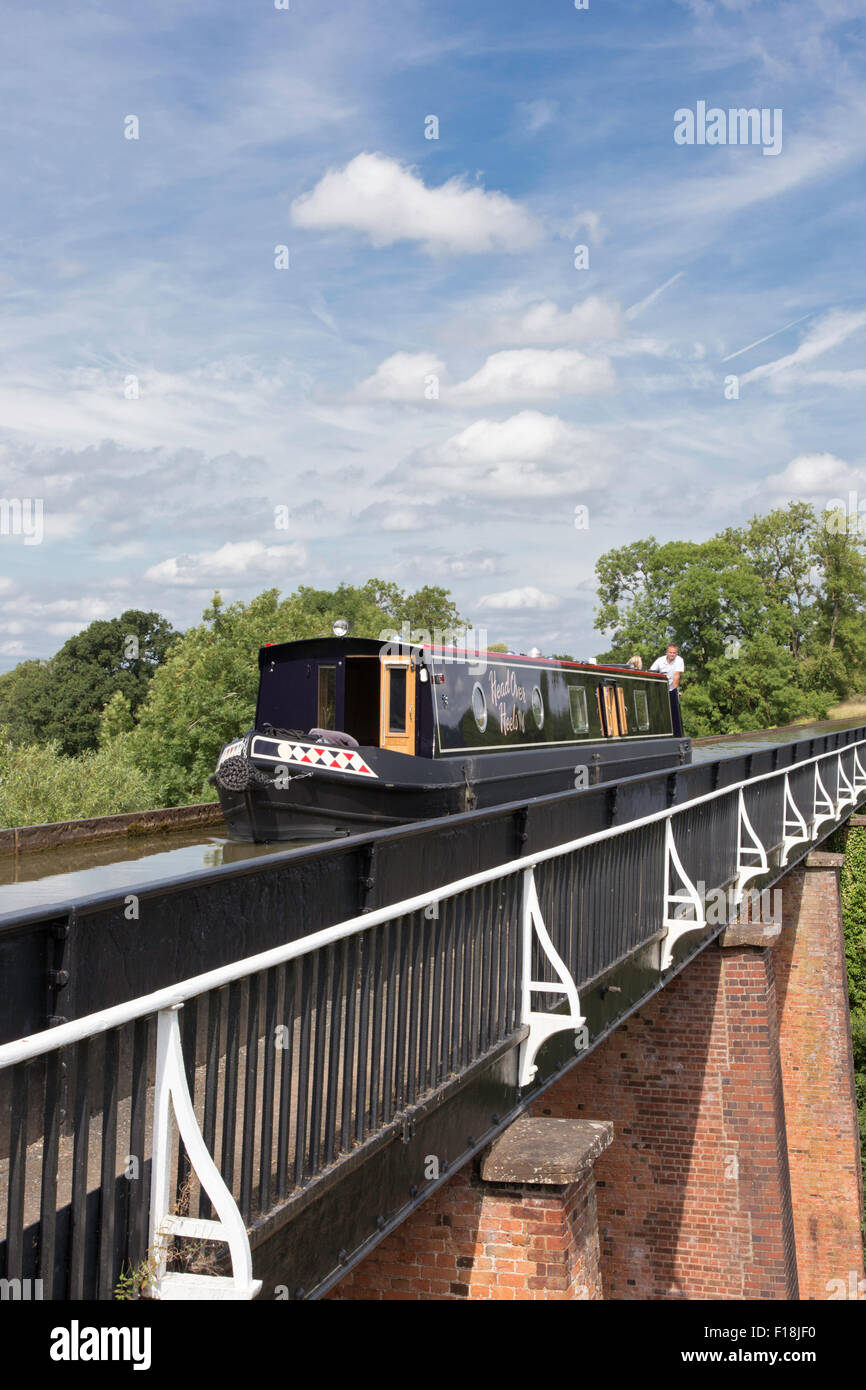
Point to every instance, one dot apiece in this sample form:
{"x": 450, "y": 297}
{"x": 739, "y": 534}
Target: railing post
{"x": 171, "y": 1091}
{"x": 542, "y": 1025}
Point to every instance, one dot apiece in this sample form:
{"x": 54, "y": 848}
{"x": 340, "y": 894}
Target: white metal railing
{"x": 172, "y": 1093}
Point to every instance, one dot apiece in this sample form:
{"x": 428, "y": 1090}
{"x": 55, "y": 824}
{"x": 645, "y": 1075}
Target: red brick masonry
{"x": 495, "y": 1240}
{"x": 818, "y": 1076}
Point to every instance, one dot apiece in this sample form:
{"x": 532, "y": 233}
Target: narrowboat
{"x": 352, "y": 734}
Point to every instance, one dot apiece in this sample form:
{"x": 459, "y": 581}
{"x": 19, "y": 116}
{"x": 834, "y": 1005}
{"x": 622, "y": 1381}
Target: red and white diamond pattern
{"x": 317, "y": 755}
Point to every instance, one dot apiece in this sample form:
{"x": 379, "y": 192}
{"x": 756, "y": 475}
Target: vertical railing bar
{"x": 491, "y": 934}
{"x": 367, "y": 946}
{"x": 323, "y": 994}
{"x": 389, "y": 957}
{"x": 466, "y": 972}
{"x": 17, "y": 1174}
{"x": 139, "y": 1188}
{"x": 421, "y": 976}
{"x": 189, "y": 1030}
{"x": 287, "y": 1056}
{"x": 436, "y": 955}
{"x": 250, "y": 1117}
{"x": 503, "y": 937}
{"x": 80, "y": 1155}
{"x": 48, "y": 1187}
{"x": 480, "y": 936}
{"x": 309, "y": 966}
{"x": 268, "y": 1075}
{"x": 415, "y": 1005}
{"x": 230, "y": 1084}
{"x": 351, "y": 1049}
{"x": 108, "y": 1172}
{"x": 454, "y": 1050}
{"x": 211, "y": 1086}
{"x": 448, "y": 912}
{"x": 401, "y": 1063}
{"x": 335, "y": 1038}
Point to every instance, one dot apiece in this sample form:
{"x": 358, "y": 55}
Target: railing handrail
{"x": 174, "y": 996}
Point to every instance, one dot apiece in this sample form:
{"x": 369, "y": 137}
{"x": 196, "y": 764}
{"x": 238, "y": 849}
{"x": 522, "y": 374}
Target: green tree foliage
{"x": 115, "y": 719}
{"x": 769, "y": 618}
{"x": 25, "y": 701}
{"x": 38, "y": 784}
{"x": 62, "y": 699}
{"x": 205, "y": 692}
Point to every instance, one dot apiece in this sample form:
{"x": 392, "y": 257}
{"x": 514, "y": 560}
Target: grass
{"x": 849, "y": 708}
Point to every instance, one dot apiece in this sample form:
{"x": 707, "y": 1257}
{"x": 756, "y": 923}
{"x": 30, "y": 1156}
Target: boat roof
{"x": 368, "y": 646}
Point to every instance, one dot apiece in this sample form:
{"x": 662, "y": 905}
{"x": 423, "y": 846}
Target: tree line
{"x": 131, "y": 714}
{"x": 769, "y": 617}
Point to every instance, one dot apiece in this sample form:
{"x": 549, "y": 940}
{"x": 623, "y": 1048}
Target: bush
{"x": 39, "y": 784}
{"x": 854, "y": 913}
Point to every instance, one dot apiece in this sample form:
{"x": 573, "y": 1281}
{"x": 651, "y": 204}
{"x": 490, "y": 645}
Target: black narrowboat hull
{"x": 316, "y": 802}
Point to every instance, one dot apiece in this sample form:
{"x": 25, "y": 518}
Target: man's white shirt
{"x": 669, "y": 667}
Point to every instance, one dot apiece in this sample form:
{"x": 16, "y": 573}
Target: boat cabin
{"x": 436, "y": 702}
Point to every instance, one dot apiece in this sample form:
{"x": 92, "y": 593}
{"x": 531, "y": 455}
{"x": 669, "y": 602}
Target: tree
{"x": 842, "y": 594}
{"x": 25, "y": 702}
{"x": 110, "y": 655}
{"x": 115, "y": 719}
{"x": 768, "y": 618}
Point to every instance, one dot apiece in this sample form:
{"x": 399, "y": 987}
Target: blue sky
{"x": 431, "y": 387}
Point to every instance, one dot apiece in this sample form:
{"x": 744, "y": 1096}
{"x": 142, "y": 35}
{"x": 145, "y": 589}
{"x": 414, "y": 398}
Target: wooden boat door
{"x": 611, "y": 708}
{"x": 397, "y": 705}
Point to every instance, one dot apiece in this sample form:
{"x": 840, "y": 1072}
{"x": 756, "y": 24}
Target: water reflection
{"x": 74, "y": 871}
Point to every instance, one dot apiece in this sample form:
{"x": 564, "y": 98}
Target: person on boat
{"x": 673, "y": 667}
{"x": 635, "y": 663}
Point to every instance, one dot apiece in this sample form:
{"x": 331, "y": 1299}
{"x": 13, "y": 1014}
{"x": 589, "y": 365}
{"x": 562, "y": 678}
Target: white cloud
{"x": 545, "y": 323}
{"x": 815, "y": 475}
{"x": 388, "y": 202}
{"x": 234, "y": 560}
{"x": 400, "y": 377}
{"x": 529, "y": 454}
{"x": 512, "y": 600}
{"x": 536, "y": 374}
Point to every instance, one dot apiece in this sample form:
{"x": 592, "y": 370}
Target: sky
{"x": 302, "y": 293}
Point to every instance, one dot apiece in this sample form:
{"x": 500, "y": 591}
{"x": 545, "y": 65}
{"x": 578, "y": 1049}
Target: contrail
{"x": 642, "y": 304}
{"x": 758, "y": 341}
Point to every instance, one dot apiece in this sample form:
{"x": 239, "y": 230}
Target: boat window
{"x": 479, "y": 707}
{"x": 641, "y": 709}
{"x": 397, "y": 700}
{"x": 537, "y": 707}
{"x": 620, "y": 709}
{"x": 579, "y": 713}
{"x": 327, "y": 697}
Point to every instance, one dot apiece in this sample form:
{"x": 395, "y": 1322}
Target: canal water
{"x": 129, "y": 862}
